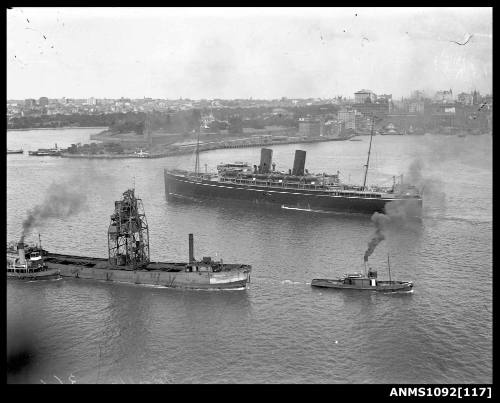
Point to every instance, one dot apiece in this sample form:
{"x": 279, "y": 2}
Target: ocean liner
{"x": 296, "y": 189}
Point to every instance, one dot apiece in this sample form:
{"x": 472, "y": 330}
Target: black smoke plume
{"x": 380, "y": 220}
{"x": 62, "y": 200}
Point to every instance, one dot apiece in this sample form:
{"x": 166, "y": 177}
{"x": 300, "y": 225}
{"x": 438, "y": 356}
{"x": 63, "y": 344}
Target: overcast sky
{"x": 245, "y": 52}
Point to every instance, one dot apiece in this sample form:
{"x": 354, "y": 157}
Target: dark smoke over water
{"x": 407, "y": 213}
{"x": 380, "y": 220}
{"x": 62, "y": 200}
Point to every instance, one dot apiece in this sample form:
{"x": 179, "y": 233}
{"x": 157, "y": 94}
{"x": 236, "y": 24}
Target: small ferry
{"x": 42, "y": 152}
{"x": 27, "y": 263}
{"x": 141, "y": 154}
{"x": 360, "y": 281}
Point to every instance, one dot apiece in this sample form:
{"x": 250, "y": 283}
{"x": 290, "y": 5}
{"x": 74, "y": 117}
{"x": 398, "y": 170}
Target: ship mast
{"x": 197, "y": 161}
{"x": 389, "y": 266}
{"x": 369, "y": 150}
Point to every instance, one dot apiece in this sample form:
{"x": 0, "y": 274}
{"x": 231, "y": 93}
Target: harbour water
{"x": 280, "y": 330}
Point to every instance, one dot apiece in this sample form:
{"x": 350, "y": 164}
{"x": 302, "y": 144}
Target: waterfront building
{"x": 379, "y": 109}
{"x": 348, "y": 117}
{"x": 403, "y": 121}
{"x": 309, "y": 127}
{"x": 443, "y": 115}
{"x": 362, "y": 123}
{"x": 416, "y": 107}
{"x": 332, "y": 128}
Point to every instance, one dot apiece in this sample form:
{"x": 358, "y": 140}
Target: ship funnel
{"x": 20, "y": 251}
{"x": 299, "y": 163}
{"x": 266, "y": 156}
{"x": 191, "y": 249}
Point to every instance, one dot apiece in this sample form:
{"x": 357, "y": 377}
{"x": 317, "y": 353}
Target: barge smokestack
{"x": 20, "y": 251}
{"x": 191, "y": 249}
{"x": 299, "y": 163}
{"x": 266, "y": 157}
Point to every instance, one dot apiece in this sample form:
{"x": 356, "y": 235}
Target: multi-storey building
{"x": 416, "y": 106}
{"x": 363, "y": 96}
{"x": 379, "y": 109}
{"x": 348, "y": 117}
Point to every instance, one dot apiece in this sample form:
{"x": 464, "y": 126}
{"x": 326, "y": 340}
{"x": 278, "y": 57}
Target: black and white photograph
{"x": 250, "y": 195}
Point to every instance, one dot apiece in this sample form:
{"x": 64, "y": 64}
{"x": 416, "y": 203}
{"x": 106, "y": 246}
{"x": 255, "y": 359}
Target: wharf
{"x": 237, "y": 143}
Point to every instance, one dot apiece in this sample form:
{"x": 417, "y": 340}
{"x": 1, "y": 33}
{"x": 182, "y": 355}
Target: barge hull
{"x": 43, "y": 275}
{"x": 99, "y": 269}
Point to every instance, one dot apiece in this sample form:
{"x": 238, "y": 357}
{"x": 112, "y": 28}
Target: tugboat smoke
{"x": 62, "y": 200}
{"x": 380, "y": 220}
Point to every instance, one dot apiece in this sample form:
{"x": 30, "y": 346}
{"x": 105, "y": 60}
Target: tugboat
{"x": 27, "y": 263}
{"x": 360, "y": 281}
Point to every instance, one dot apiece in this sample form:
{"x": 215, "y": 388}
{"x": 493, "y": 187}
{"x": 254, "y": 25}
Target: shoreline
{"x": 174, "y": 151}
{"x": 219, "y": 146}
{"x": 57, "y": 128}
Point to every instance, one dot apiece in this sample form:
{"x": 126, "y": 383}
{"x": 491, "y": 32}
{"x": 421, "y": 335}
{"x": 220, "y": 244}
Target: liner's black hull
{"x": 303, "y": 199}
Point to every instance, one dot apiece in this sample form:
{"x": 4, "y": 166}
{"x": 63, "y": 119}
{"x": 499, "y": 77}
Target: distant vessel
{"x": 141, "y": 154}
{"x": 360, "y": 281}
{"x": 390, "y": 129}
{"x": 295, "y": 189}
{"x": 129, "y": 260}
{"x": 20, "y": 151}
{"x": 27, "y": 263}
{"x": 41, "y": 152}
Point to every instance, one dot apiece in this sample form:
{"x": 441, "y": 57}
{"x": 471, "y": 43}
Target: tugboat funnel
{"x": 191, "y": 249}
{"x": 20, "y": 251}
